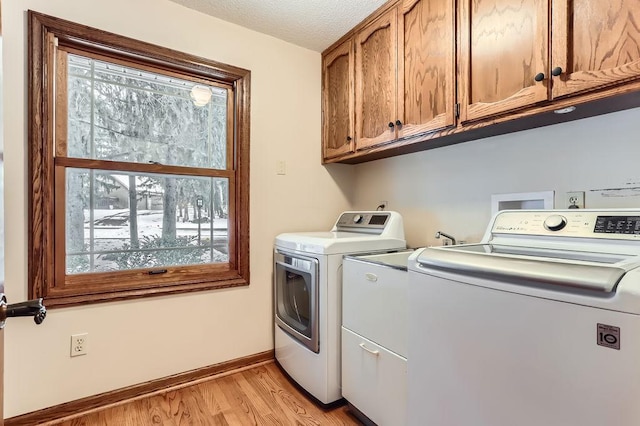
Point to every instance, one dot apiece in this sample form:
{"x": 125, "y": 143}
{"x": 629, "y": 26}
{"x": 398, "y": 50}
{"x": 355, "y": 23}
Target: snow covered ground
{"x": 149, "y": 224}
{"x": 106, "y": 234}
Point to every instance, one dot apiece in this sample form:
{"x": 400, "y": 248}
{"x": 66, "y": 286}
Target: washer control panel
{"x": 610, "y": 224}
{"x": 618, "y": 225}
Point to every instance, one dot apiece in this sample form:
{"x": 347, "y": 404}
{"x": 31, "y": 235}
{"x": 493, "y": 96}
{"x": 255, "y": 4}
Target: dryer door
{"x": 296, "y": 297}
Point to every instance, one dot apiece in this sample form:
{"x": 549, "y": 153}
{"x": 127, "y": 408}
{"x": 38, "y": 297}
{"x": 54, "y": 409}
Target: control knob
{"x": 555, "y": 222}
{"x": 357, "y": 218}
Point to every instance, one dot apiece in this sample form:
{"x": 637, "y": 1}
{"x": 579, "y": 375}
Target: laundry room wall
{"x": 449, "y": 189}
{"x": 139, "y": 340}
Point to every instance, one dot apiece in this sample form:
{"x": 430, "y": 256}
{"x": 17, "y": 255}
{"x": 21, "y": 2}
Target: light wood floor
{"x": 260, "y": 395}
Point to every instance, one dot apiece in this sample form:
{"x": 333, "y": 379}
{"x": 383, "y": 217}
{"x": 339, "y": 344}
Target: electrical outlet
{"x": 79, "y": 344}
{"x": 281, "y": 167}
{"x": 575, "y": 200}
{"x": 382, "y": 205}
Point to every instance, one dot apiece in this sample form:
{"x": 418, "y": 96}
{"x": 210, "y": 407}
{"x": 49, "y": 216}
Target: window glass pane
{"x": 125, "y": 114}
{"x": 121, "y": 221}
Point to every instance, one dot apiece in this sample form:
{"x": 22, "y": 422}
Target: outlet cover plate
{"x": 575, "y": 200}
{"x": 79, "y": 344}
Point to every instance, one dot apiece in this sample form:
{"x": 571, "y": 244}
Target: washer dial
{"x": 555, "y": 222}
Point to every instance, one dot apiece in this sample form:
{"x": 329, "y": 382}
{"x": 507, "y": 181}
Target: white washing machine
{"x": 307, "y": 294}
{"x": 539, "y": 324}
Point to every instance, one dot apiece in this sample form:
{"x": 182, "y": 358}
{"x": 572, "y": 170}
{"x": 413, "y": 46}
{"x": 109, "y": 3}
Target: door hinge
{"x": 457, "y": 108}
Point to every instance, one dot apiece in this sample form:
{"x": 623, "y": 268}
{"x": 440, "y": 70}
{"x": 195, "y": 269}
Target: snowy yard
{"x": 149, "y": 224}
{"x": 108, "y": 243}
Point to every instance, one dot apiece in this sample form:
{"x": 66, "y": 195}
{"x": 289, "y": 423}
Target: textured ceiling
{"x": 314, "y": 24}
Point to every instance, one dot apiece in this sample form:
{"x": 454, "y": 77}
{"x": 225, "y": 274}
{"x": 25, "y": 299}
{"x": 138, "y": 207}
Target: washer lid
{"x": 519, "y": 265}
{"x": 336, "y": 242}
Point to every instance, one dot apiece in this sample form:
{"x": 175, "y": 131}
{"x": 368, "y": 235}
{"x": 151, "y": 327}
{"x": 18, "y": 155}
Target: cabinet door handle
{"x": 556, "y": 71}
{"x": 391, "y": 125}
{"x": 539, "y": 77}
{"x": 371, "y": 277}
{"x": 348, "y": 138}
{"x": 398, "y": 123}
{"x": 375, "y": 353}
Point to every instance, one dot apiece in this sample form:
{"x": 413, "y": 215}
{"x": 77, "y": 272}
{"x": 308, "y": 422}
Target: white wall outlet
{"x": 281, "y": 167}
{"x": 574, "y": 200}
{"x": 79, "y": 344}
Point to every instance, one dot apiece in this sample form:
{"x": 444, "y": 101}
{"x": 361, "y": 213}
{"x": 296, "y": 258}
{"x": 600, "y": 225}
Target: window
{"x": 139, "y": 162}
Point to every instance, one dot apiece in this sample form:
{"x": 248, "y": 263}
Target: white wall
{"x": 449, "y": 189}
{"x": 135, "y": 341}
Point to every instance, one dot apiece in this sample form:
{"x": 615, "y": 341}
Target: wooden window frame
{"x": 47, "y": 278}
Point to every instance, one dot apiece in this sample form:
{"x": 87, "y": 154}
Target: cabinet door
{"x": 503, "y": 46}
{"x": 374, "y": 380}
{"x": 594, "y": 43}
{"x": 338, "y": 101}
{"x": 374, "y": 303}
{"x": 426, "y": 55}
{"x": 376, "y": 66}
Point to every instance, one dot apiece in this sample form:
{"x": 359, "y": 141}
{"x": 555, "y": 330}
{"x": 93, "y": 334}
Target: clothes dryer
{"x": 307, "y": 294}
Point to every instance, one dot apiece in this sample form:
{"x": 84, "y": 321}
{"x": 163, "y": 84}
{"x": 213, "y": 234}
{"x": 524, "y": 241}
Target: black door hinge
{"x": 457, "y": 107}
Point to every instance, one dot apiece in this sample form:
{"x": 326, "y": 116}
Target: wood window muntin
{"x": 47, "y": 207}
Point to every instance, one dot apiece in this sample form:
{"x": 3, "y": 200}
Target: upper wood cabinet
{"x": 426, "y": 66}
{"x": 503, "y": 54}
{"x": 338, "y": 101}
{"x": 405, "y": 79}
{"x": 403, "y": 75}
{"x": 376, "y": 67}
{"x": 594, "y": 44}
{"x": 505, "y": 62}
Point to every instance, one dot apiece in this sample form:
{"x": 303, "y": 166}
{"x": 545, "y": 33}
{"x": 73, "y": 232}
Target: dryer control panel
{"x": 382, "y": 223}
{"x": 363, "y": 220}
